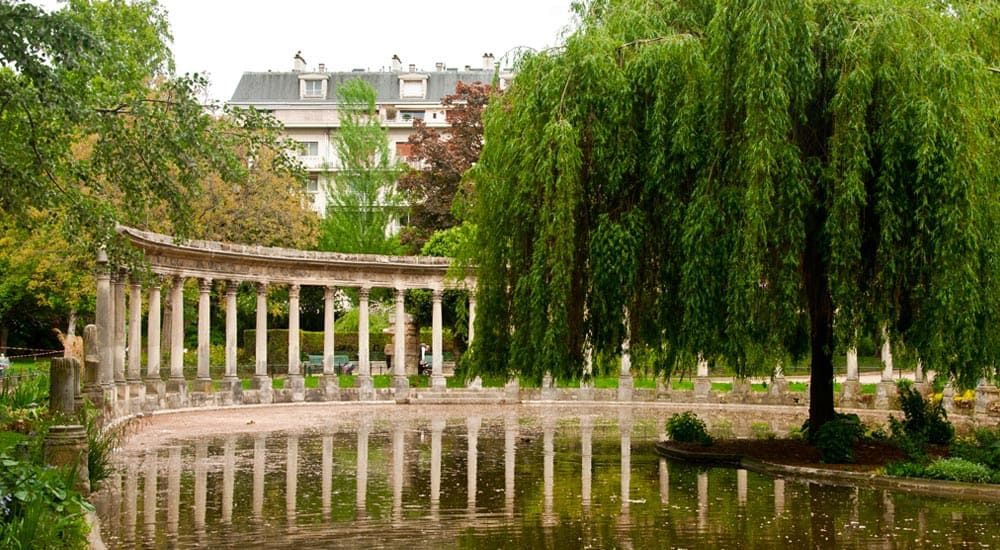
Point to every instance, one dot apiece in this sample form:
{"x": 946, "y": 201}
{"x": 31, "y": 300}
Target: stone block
{"x": 626, "y": 385}
{"x": 702, "y": 387}
{"x": 886, "y": 395}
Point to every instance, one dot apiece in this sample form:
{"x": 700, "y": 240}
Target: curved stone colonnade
{"x": 115, "y": 376}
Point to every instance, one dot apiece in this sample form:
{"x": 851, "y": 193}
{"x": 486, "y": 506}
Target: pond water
{"x": 474, "y": 477}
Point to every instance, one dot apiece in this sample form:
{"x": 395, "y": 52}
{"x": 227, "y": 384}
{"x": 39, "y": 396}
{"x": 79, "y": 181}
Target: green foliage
{"x": 905, "y": 469}
{"x": 720, "y": 178}
{"x": 762, "y": 430}
{"x": 925, "y": 422}
{"x": 101, "y": 443}
{"x": 686, "y": 427}
{"x": 28, "y": 391}
{"x": 960, "y": 469}
{"x": 38, "y": 509}
{"x": 836, "y": 438}
{"x": 363, "y": 200}
{"x": 982, "y": 446}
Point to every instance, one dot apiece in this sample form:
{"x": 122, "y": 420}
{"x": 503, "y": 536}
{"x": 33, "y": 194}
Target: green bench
{"x": 316, "y": 363}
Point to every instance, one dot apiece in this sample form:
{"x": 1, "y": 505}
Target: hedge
{"x": 311, "y": 343}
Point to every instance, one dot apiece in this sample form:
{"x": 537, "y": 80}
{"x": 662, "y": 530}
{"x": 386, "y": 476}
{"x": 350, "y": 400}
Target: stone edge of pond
{"x": 929, "y": 487}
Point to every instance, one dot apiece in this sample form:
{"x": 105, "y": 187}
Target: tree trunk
{"x": 821, "y": 343}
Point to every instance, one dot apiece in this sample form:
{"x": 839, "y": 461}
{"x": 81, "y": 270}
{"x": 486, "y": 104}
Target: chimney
{"x": 322, "y": 67}
{"x": 439, "y": 66}
{"x": 300, "y": 63}
{"x": 397, "y": 64}
{"x": 413, "y": 67}
{"x": 487, "y": 62}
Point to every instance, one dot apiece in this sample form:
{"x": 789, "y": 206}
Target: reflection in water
{"x": 563, "y": 478}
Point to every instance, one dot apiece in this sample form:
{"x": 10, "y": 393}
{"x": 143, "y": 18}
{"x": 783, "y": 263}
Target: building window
{"x": 313, "y": 88}
{"x": 415, "y": 88}
{"x": 411, "y": 115}
{"x": 312, "y": 184}
{"x": 308, "y": 148}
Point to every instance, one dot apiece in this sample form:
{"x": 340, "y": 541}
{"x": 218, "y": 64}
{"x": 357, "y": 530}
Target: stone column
{"x": 399, "y": 380}
{"x": 330, "y": 384}
{"x": 104, "y": 320}
{"x": 366, "y": 386}
{"x": 437, "y": 342}
{"x": 779, "y": 386}
{"x": 92, "y": 364}
{"x": 885, "y": 392}
{"x": 472, "y": 316}
{"x": 231, "y": 383}
{"x": 153, "y": 328}
{"x": 118, "y": 298}
{"x": 176, "y": 383}
{"x": 261, "y": 380}
{"x": 134, "y": 374}
{"x": 204, "y": 381}
{"x": 62, "y": 397}
{"x": 625, "y": 381}
{"x": 987, "y": 396}
{"x": 851, "y": 389}
{"x": 295, "y": 381}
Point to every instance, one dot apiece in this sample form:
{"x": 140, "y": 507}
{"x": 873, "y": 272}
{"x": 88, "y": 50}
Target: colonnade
{"x": 265, "y": 269}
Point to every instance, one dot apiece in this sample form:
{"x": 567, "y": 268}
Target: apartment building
{"x": 304, "y": 99}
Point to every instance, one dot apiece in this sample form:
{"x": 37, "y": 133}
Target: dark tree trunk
{"x": 821, "y": 343}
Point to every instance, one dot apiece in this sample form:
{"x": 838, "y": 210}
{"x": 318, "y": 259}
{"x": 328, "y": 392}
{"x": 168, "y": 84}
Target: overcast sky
{"x": 225, "y": 38}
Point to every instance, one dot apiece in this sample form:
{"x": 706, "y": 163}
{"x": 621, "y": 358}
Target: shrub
{"x": 723, "y": 429}
{"x": 100, "y": 444}
{"x": 38, "y": 509}
{"x": 959, "y": 469}
{"x": 982, "y": 446}
{"x": 905, "y": 469}
{"x": 762, "y": 430}
{"x": 836, "y": 439}
{"x": 924, "y": 422}
{"x": 686, "y": 427}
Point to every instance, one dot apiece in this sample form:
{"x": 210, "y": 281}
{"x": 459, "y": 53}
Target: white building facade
{"x": 304, "y": 100}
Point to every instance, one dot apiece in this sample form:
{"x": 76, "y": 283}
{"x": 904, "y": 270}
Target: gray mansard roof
{"x": 283, "y": 87}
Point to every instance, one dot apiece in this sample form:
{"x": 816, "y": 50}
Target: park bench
{"x": 315, "y": 363}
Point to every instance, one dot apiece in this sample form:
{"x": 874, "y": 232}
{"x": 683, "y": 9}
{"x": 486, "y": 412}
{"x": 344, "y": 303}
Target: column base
{"x": 137, "y": 396}
{"x": 512, "y": 390}
{"x": 366, "y": 387}
{"x": 401, "y": 384}
{"x": 850, "y": 393}
{"x": 177, "y": 385}
{"x": 296, "y": 383}
{"x": 230, "y": 391}
{"x": 626, "y": 387}
{"x": 587, "y": 390}
{"x": 741, "y": 389}
{"x": 330, "y": 384}
{"x": 987, "y": 404}
{"x": 886, "y": 394}
{"x": 778, "y": 389}
{"x": 948, "y": 399}
{"x": 549, "y": 388}
{"x": 67, "y": 445}
{"x": 206, "y": 385}
{"x": 702, "y": 387}
{"x": 438, "y": 382}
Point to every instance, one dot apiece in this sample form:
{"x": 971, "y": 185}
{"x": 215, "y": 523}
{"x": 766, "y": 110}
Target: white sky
{"x": 225, "y": 38}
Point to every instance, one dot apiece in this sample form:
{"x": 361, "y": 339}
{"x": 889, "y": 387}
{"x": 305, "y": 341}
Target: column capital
{"x": 135, "y": 280}
{"x": 261, "y": 287}
{"x": 437, "y": 294}
{"x": 329, "y": 291}
{"x": 472, "y": 297}
{"x": 400, "y": 294}
{"x": 231, "y": 286}
{"x": 364, "y": 292}
{"x": 177, "y": 280}
{"x": 205, "y": 285}
{"x": 294, "y": 290}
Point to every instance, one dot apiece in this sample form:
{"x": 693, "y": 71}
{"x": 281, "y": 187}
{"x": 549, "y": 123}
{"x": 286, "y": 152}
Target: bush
{"x": 959, "y": 469}
{"x": 925, "y": 422}
{"x": 836, "y": 439}
{"x": 686, "y": 427}
{"x": 905, "y": 469}
{"x": 100, "y": 444}
{"x": 38, "y": 509}
{"x": 983, "y": 446}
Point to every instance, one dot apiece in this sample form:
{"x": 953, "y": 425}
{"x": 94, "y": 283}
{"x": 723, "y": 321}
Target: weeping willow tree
{"x": 733, "y": 178}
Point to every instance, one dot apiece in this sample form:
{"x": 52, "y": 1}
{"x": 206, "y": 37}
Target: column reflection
{"x": 398, "y": 458}
{"x": 149, "y": 496}
{"x": 702, "y": 500}
{"x": 131, "y": 499}
{"x": 173, "y": 491}
{"x": 200, "y": 484}
{"x": 292, "y": 480}
{"x": 779, "y": 497}
{"x": 587, "y": 459}
{"x": 664, "y": 482}
{"x": 741, "y": 486}
{"x": 548, "y": 438}
{"x": 437, "y": 428}
{"x": 228, "y": 478}
{"x": 364, "y": 426}
{"x": 259, "y": 469}
{"x": 327, "y": 483}
{"x": 472, "y": 425}
{"x": 509, "y": 462}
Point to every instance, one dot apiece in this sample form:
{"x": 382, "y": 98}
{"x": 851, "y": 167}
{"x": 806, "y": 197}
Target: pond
{"x": 481, "y": 477}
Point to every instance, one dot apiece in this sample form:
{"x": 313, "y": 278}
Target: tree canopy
{"x": 363, "y": 201}
{"x": 730, "y": 179}
{"x": 443, "y": 157}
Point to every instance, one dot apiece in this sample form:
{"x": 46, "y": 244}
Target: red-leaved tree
{"x": 442, "y": 156}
